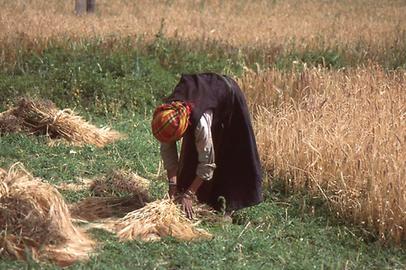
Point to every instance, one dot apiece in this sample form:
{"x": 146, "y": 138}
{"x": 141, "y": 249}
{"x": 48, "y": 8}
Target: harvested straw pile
{"x": 156, "y": 220}
{"x": 35, "y": 221}
{"x": 148, "y": 222}
{"x": 117, "y": 193}
{"x": 120, "y": 182}
{"x": 96, "y": 208}
{"x": 42, "y": 117}
{"x": 99, "y": 208}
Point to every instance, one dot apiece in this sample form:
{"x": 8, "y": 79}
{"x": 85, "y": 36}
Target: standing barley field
{"x": 340, "y": 135}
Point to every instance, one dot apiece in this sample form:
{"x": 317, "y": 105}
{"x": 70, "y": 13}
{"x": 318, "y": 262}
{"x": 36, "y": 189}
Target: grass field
{"x": 325, "y": 81}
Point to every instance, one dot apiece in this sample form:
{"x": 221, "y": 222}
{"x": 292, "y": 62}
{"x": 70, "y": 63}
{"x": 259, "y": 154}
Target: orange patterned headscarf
{"x": 170, "y": 121}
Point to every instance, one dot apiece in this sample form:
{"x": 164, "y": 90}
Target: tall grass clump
{"x": 340, "y": 135}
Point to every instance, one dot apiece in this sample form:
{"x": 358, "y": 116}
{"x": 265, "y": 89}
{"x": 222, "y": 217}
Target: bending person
{"x": 218, "y": 158}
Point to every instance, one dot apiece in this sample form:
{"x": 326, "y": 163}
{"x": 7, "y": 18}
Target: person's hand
{"x": 172, "y": 191}
{"x": 186, "y": 201}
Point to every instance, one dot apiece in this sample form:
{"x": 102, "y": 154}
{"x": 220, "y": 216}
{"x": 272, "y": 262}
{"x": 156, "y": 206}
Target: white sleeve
{"x": 204, "y": 145}
{"x": 169, "y": 155}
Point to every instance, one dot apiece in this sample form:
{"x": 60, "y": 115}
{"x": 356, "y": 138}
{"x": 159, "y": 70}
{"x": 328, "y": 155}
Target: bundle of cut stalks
{"x": 35, "y": 221}
{"x": 122, "y": 182}
{"x": 156, "y": 220}
{"x": 100, "y": 208}
{"x": 97, "y": 208}
{"x": 117, "y": 193}
{"x": 42, "y": 117}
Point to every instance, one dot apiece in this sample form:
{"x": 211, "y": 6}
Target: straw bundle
{"x": 117, "y": 193}
{"x": 96, "y": 208}
{"x": 35, "y": 221}
{"x": 42, "y": 117}
{"x": 156, "y": 220}
{"x": 122, "y": 182}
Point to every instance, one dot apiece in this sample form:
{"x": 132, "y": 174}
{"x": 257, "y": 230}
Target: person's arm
{"x": 204, "y": 146}
{"x": 169, "y": 156}
{"x": 206, "y": 165}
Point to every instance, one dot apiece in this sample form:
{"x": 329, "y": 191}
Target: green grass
{"x": 280, "y": 233}
{"x": 119, "y": 88}
{"x": 107, "y": 82}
